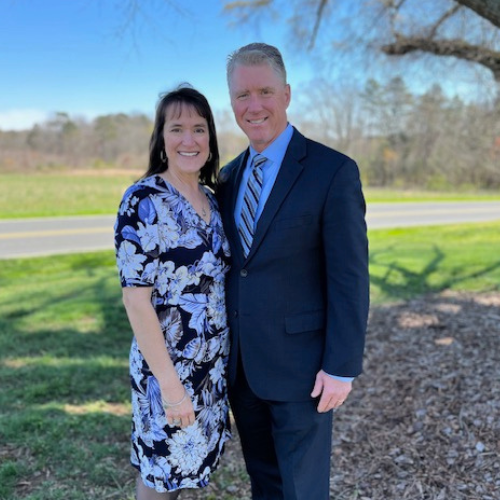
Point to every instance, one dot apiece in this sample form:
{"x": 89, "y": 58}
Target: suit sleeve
{"x": 347, "y": 278}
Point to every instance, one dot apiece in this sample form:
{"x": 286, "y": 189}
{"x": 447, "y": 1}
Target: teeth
{"x": 187, "y": 154}
{"x": 257, "y": 122}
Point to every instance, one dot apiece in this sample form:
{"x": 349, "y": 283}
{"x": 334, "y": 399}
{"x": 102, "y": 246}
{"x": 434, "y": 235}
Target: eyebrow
{"x": 177, "y": 124}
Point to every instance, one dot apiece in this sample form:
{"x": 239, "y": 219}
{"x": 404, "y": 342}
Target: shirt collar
{"x": 275, "y": 152}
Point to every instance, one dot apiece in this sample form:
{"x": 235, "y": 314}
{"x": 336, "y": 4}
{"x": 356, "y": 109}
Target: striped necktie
{"x": 250, "y": 203}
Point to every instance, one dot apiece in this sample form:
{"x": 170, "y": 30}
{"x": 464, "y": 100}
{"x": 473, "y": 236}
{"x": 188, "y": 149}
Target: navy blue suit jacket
{"x": 299, "y": 302}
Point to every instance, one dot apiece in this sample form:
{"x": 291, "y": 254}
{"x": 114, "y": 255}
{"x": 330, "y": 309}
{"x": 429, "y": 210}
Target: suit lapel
{"x": 234, "y": 187}
{"x": 287, "y": 176}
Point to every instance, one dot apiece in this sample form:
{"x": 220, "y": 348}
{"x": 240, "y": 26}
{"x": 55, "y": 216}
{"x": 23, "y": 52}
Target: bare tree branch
{"x": 247, "y": 3}
{"x": 319, "y": 16}
{"x": 442, "y": 19}
{"x": 455, "y": 48}
{"x": 489, "y": 9}
{"x": 246, "y": 8}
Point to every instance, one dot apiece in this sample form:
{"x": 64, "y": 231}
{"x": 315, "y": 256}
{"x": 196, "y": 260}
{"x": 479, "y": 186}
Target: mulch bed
{"x": 423, "y": 421}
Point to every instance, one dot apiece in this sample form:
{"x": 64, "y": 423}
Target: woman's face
{"x": 186, "y": 139}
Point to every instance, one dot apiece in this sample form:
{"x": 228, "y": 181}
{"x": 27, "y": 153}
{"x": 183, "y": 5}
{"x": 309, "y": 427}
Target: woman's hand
{"x": 179, "y": 413}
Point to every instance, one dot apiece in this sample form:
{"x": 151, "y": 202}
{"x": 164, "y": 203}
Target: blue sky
{"x": 81, "y": 57}
{"x": 78, "y": 57}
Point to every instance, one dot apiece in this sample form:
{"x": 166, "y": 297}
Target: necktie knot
{"x": 258, "y": 160}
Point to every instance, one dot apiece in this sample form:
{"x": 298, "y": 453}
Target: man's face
{"x": 259, "y": 99}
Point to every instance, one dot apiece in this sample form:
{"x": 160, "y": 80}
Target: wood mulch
{"x": 423, "y": 421}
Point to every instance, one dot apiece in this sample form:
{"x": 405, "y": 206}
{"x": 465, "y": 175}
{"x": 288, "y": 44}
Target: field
{"x": 87, "y": 193}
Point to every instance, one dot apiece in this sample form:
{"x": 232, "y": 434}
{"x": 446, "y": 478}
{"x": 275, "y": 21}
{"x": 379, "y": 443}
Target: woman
{"x": 172, "y": 255}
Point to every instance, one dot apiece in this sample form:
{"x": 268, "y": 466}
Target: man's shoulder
{"x": 315, "y": 150}
{"x": 227, "y": 170}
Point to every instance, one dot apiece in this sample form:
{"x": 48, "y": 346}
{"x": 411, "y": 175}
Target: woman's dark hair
{"x": 183, "y": 95}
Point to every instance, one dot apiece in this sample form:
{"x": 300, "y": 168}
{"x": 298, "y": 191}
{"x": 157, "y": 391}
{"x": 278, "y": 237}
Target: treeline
{"x": 399, "y": 139}
{"x": 109, "y": 141}
{"x": 405, "y": 140}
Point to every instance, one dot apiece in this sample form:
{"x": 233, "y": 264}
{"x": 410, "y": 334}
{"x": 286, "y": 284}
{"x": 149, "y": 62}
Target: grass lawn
{"x": 44, "y": 194}
{"x": 382, "y": 195}
{"x": 64, "y": 340}
{"x": 405, "y": 263}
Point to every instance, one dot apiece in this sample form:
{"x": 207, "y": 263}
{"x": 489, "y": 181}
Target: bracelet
{"x": 166, "y": 404}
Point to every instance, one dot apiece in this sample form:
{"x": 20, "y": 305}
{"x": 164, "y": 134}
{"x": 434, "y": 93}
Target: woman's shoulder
{"x": 143, "y": 188}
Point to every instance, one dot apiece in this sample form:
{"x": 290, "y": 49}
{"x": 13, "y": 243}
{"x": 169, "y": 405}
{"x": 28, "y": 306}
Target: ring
{"x": 176, "y": 421}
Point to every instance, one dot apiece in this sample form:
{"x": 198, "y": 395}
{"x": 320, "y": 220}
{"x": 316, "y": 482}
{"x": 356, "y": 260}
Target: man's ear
{"x": 288, "y": 94}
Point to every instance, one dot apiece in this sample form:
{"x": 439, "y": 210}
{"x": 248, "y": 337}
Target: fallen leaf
{"x": 444, "y": 341}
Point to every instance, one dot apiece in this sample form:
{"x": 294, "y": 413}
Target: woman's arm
{"x": 147, "y": 331}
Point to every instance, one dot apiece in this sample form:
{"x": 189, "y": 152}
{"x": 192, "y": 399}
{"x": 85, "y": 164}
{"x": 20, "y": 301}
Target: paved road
{"x": 48, "y": 236}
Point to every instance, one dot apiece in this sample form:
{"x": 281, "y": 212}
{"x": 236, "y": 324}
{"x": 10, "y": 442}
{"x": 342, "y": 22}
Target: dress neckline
{"x": 188, "y": 203}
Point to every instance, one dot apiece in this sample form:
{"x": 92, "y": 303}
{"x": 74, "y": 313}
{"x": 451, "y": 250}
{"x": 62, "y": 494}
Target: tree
{"x": 467, "y": 30}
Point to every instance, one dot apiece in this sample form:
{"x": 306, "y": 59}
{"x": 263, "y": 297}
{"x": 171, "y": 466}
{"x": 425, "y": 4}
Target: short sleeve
{"x": 136, "y": 239}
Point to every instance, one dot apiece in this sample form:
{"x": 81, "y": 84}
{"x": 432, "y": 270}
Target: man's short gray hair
{"x": 256, "y": 54}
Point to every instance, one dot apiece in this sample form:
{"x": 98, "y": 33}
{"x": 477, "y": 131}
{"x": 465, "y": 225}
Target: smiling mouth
{"x": 257, "y": 122}
{"x": 183, "y": 153}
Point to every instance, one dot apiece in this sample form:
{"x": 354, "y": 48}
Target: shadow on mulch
{"x": 423, "y": 421}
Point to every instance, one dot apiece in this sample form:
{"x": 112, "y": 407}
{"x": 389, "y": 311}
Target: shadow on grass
{"x": 64, "y": 397}
{"x": 395, "y": 281}
{"x": 65, "y": 392}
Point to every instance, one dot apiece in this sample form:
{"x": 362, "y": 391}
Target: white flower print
{"x": 164, "y": 273}
{"x": 171, "y": 325}
{"x": 178, "y": 282}
{"x": 149, "y": 272}
{"x": 217, "y": 305}
{"x": 163, "y": 211}
{"x": 190, "y": 238}
{"x": 184, "y": 369}
{"x": 148, "y": 233}
{"x": 218, "y": 371}
{"x": 169, "y": 235}
{"x": 129, "y": 262}
{"x": 136, "y": 361}
{"x": 196, "y": 305}
{"x": 188, "y": 449}
{"x": 224, "y": 341}
{"x": 127, "y": 207}
{"x": 161, "y": 468}
{"x": 200, "y": 350}
{"x": 209, "y": 265}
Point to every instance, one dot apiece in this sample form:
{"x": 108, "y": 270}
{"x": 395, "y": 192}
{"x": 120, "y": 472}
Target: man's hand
{"x": 333, "y": 392}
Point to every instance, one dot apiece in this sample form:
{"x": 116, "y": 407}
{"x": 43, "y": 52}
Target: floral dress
{"x": 161, "y": 242}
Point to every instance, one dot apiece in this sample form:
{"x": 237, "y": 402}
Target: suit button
{"x": 243, "y": 273}
{"x": 235, "y": 314}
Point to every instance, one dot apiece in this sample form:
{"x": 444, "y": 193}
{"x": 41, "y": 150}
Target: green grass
{"x": 64, "y": 398}
{"x": 380, "y": 195}
{"x": 54, "y": 194}
{"x": 43, "y": 194}
{"x": 405, "y": 263}
{"x": 64, "y": 340}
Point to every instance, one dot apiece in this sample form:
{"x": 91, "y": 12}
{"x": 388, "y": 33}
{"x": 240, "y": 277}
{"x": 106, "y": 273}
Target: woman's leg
{"x": 146, "y": 493}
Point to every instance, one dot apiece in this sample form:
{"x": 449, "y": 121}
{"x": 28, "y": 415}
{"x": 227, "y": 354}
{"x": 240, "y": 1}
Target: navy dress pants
{"x": 286, "y": 445}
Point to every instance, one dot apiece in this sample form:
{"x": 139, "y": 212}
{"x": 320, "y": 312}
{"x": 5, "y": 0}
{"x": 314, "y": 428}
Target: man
{"x": 298, "y": 289}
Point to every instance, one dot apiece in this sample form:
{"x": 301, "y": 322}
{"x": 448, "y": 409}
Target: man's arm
{"x": 346, "y": 258}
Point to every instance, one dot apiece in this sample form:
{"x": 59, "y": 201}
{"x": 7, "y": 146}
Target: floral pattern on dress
{"x": 161, "y": 242}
